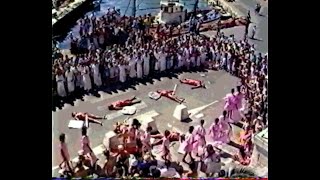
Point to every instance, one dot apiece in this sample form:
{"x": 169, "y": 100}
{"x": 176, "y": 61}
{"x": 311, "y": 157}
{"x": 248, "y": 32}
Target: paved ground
{"x": 218, "y": 84}
{"x": 261, "y": 21}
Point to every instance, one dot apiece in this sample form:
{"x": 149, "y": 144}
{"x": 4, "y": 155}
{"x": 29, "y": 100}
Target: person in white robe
{"x": 157, "y": 57}
{"x": 78, "y": 79}
{"x": 139, "y": 62}
{"x": 146, "y": 63}
{"x": 203, "y": 56}
{"x": 70, "y": 80}
{"x": 163, "y": 61}
{"x": 186, "y": 54}
{"x": 60, "y": 84}
{"x": 122, "y": 72}
{"x": 132, "y": 66}
{"x": 86, "y": 78}
{"x": 96, "y": 74}
{"x": 180, "y": 60}
{"x": 193, "y": 56}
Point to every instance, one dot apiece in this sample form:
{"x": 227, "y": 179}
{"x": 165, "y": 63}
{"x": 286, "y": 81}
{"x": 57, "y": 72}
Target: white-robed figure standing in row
{"x": 77, "y": 72}
{"x": 146, "y": 63}
{"x": 157, "y": 57}
{"x": 122, "y": 72}
{"x": 132, "y": 67}
{"x": 163, "y": 60}
{"x": 86, "y": 78}
{"x": 180, "y": 60}
{"x": 70, "y": 80}
{"x": 203, "y": 55}
{"x": 96, "y": 74}
{"x": 60, "y": 84}
{"x": 139, "y": 62}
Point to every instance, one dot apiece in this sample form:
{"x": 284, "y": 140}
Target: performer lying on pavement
{"x": 118, "y": 105}
{"x": 90, "y": 117}
{"x": 170, "y": 94}
{"x": 192, "y": 82}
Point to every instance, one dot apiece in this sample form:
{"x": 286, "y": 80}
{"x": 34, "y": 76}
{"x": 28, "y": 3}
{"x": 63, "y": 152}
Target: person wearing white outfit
{"x": 96, "y": 74}
{"x": 86, "y": 78}
{"x": 163, "y": 61}
{"x": 146, "y": 63}
{"x": 139, "y": 62}
{"x": 132, "y": 66}
{"x": 156, "y": 56}
{"x": 122, "y": 72}
{"x": 70, "y": 80}
{"x": 60, "y": 84}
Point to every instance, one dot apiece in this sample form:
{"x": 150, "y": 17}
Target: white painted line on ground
{"x": 195, "y": 111}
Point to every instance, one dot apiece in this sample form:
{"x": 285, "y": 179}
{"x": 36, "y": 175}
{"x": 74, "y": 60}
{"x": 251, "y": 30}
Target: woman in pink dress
{"x": 85, "y": 146}
{"x": 230, "y": 104}
{"x": 187, "y": 144}
{"x": 200, "y": 139}
{"x": 219, "y": 131}
{"x": 236, "y": 116}
{"x": 225, "y": 127}
{"x": 145, "y": 139}
{"x": 65, "y": 164}
{"x": 165, "y": 151}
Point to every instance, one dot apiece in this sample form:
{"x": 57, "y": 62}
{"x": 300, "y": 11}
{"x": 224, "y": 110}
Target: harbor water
{"x": 125, "y": 6}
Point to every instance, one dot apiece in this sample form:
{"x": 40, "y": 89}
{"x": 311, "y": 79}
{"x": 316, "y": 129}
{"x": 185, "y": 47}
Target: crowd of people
{"x": 113, "y": 50}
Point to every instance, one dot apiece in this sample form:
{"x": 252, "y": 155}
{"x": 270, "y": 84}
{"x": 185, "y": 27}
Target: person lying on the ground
{"x": 86, "y": 116}
{"x": 173, "y": 136}
{"x": 192, "y": 82}
{"x": 118, "y": 105}
{"x": 170, "y": 94}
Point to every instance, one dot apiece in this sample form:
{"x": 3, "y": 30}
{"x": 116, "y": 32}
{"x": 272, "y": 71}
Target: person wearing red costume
{"x": 192, "y": 82}
{"x": 118, "y": 105}
{"x": 170, "y": 94}
{"x": 90, "y": 117}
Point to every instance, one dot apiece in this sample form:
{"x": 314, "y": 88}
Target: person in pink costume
{"x": 65, "y": 164}
{"x": 226, "y": 128}
{"x": 231, "y": 103}
{"x": 85, "y": 146}
{"x": 236, "y": 116}
{"x": 187, "y": 144}
{"x": 145, "y": 139}
{"x": 199, "y": 137}
{"x": 165, "y": 149}
{"x": 219, "y": 131}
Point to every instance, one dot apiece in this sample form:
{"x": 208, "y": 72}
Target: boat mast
{"x": 134, "y": 8}
{"x": 195, "y": 8}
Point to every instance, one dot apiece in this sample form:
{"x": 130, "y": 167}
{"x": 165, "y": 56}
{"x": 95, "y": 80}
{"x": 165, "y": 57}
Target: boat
{"x": 171, "y": 12}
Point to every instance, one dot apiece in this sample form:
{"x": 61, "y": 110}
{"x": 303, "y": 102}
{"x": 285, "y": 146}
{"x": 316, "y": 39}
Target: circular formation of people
{"x": 113, "y": 50}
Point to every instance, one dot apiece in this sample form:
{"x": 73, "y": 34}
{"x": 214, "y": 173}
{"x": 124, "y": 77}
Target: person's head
{"x": 111, "y": 107}
{"x": 216, "y": 121}
{"x": 62, "y": 137}
{"x": 232, "y": 91}
{"x": 202, "y": 122}
{"x": 149, "y": 129}
{"x": 166, "y": 133}
{"x": 224, "y": 113}
{"x": 156, "y": 173}
{"x": 84, "y": 131}
{"x": 238, "y": 88}
{"x": 191, "y": 128}
{"x": 73, "y": 114}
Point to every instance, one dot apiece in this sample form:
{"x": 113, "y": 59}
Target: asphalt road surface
{"x": 218, "y": 84}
